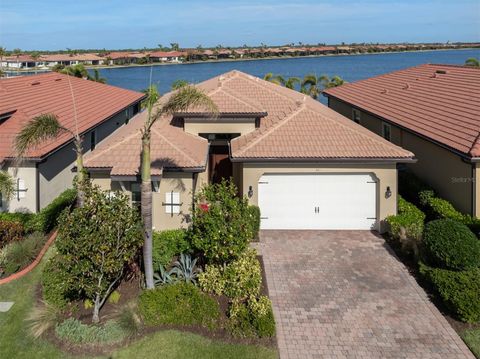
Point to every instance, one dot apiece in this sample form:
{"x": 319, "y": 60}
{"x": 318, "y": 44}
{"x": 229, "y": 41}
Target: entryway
{"x": 219, "y": 163}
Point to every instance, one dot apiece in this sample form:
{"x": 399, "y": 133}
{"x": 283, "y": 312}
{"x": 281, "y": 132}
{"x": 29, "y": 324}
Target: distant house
{"x": 303, "y": 164}
{"x": 50, "y": 60}
{"x": 47, "y": 170}
{"x": 167, "y": 56}
{"x": 431, "y": 110}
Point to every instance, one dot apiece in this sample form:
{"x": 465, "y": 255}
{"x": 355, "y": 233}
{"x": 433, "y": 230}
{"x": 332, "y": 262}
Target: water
{"x": 350, "y": 68}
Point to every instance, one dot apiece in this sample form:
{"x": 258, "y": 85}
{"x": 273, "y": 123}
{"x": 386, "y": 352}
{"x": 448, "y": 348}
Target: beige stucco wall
{"x": 27, "y": 171}
{"x": 386, "y": 175}
{"x": 476, "y": 187}
{"x": 446, "y": 172}
{"x": 240, "y": 125}
{"x": 55, "y": 172}
{"x": 182, "y": 182}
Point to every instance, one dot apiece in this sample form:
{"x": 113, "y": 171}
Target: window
{"x": 172, "y": 202}
{"x": 93, "y": 140}
{"x": 356, "y": 116}
{"x": 386, "y": 131}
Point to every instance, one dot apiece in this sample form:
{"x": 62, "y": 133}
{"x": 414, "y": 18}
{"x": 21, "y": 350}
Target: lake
{"x": 350, "y": 68}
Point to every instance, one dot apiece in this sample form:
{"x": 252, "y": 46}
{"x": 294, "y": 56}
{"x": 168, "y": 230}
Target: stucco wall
{"x": 386, "y": 176}
{"x": 28, "y": 173}
{"x": 240, "y": 125}
{"x": 55, "y": 173}
{"x": 445, "y": 171}
{"x": 182, "y": 182}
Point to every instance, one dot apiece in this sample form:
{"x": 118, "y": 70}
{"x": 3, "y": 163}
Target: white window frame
{"x": 384, "y": 132}
{"x": 172, "y": 202}
{"x": 356, "y": 112}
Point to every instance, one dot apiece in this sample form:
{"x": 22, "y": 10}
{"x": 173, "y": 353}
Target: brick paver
{"x": 343, "y": 294}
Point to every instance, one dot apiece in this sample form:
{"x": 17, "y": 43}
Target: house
{"x": 169, "y": 56}
{"x": 50, "y": 60}
{"x": 303, "y": 164}
{"x": 431, "y": 110}
{"x": 47, "y": 170}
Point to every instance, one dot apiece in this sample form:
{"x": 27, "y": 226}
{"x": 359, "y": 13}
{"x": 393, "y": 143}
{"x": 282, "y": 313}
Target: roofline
{"x": 461, "y": 154}
{"x": 58, "y": 148}
{"x": 221, "y": 114}
{"x": 164, "y": 169}
{"x": 326, "y": 160}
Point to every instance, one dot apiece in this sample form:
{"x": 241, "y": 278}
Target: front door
{"x": 220, "y": 164}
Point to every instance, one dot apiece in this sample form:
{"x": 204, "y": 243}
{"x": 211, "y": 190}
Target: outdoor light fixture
{"x": 388, "y": 192}
{"x": 250, "y": 192}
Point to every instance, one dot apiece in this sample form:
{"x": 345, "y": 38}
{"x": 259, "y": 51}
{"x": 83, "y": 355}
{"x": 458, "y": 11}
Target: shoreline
{"x": 103, "y": 67}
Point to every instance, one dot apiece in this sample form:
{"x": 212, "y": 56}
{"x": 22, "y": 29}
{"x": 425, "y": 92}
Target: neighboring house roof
{"x": 439, "y": 102}
{"x": 25, "y": 97}
{"x": 171, "y": 148}
{"x": 294, "y": 126}
{"x": 167, "y": 54}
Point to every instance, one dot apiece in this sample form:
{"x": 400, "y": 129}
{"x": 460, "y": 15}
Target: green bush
{"x": 47, "y": 218}
{"x": 239, "y": 279}
{"x": 10, "y": 231}
{"x": 409, "y": 219}
{"x": 73, "y": 331}
{"x": 409, "y": 186}
{"x": 57, "y": 285}
{"x": 167, "y": 244}
{"x": 21, "y": 217}
{"x": 450, "y": 245}
{"x": 180, "y": 303}
{"x": 221, "y": 226}
{"x": 254, "y": 217}
{"x": 252, "y": 318}
{"x": 460, "y": 291}
{"x": 17, "y": 255}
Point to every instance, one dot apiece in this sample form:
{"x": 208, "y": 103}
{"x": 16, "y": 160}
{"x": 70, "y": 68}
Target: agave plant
{"x": 185, "y": 269}
{"x": 163, "y": 277}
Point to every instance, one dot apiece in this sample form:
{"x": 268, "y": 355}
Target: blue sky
{"x": 52, "y": 24}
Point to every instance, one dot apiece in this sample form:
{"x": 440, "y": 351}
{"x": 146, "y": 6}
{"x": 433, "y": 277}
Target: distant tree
{"x": 35, "y": 55}
{"x": 17, "y": 52}
{"x": 75, "y": 70}
{"x": 280, "y": 80}
{"x": 331, "y": 82}
{"x": 96, "y": 77}
{"x": 3, "y": 52}
{"x": 58, "y": 67}
{"x": 310, "y": 86}
{"x": 7, "y": 185}
{"x": 174, "y": 46}
{"x": 472, "y": 61}
{"x": 177, "y": 84}
{"x": 2, "y": 73}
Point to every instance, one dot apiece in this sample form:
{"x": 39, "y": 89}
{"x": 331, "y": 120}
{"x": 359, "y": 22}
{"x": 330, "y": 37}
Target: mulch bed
{"x": 412, "y": 267}
{"x": 130, "y": 290}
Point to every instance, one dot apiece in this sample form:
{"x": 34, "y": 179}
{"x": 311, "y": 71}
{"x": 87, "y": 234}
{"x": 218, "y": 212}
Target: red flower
{"x": 204, "y": 207}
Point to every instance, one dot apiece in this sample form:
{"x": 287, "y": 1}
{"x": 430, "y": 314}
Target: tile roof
{"x": 30, "y": 96}
{"x": 440, "y": 102}
{"x": 171, "y": 147}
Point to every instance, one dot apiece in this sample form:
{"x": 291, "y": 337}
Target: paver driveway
{"x": 343, "y": 294}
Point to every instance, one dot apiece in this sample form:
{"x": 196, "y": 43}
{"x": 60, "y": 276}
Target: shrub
{"x": 97, "y": 242}
{"x": 72, "y": 330}
{"x": 239, "y": 279}
{"x": 254, "y": 217}
{"x": 19, "y": 254}
{"x": 166, "y": 245}
{"x": 47, "y": 218}
{"x": 129, "y": 319}
{"x": 252, "y": 318}
{"x": 10, "y": 231}
{"x": 20, "y": 217}
{"x": 221, "y": 226}
{"x": 460, "y": 291}
{"x": 57, "y": 285}
{"x": 410, "y": 186}
{"x": 450, "y": 245}
{"x": 42, "y": 318}
{"x": 114, "y": 297}
{"x": 180, "y": 303}
{"x": 409, "y": 219}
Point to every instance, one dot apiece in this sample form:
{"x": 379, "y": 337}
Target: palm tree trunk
{"x": 80, "y": 174}
{"x": 146, "y": 209}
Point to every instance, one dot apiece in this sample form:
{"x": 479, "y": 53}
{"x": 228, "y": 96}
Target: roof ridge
{"x": 240, "y": 100}
{"x": 259, "y": 136}
{"x": 184, "y": 152}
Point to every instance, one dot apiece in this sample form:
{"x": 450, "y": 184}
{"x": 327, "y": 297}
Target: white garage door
{"x": 317, "y": 201}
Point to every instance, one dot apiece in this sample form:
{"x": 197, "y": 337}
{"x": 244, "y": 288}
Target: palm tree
{"x": 472, "y": 61}
{"x": 46, "y": 127}
{"x": 178, "y": 84}
{"x": 280, "y": 80}
{"x": 181, "y": 100}
{"x": 35, "y": 56}
{"x": 75, "y": 70}
{"x": 3, "y": 52}
{"x": 7, "y": 186}
{"x": 331, "y": 82}
{"x": 291, "y": 81}
{"x": 310, "y": 86}
{"x": 17, "y": 52}
{"x": 96, "y": 77}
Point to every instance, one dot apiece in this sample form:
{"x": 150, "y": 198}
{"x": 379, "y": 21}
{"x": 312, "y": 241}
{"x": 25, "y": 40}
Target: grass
{"x": 472, "y": 338}
{"x": 16, "y": 343}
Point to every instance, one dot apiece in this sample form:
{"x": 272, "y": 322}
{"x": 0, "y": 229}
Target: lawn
{"x": 16, "y": 343}
{"x": 472, "y": 338}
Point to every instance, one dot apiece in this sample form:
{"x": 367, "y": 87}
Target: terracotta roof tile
{"x": 30, "y": 96}
{"x": 440, "y": 102}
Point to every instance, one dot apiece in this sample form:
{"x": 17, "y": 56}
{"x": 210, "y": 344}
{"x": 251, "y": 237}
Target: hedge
{"x": 167, "y": 244}
{"x": 460, "y": 291}
{"x": 409, "y": 218}
{"x": 451, "y": 245}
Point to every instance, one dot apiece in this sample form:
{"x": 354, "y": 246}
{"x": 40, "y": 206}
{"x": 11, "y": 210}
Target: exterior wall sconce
{"x": 388, "y": 192}
{"x": 250, "y": 191}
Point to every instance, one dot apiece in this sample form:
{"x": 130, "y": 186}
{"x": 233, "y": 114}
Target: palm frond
{"x": 7, "y": 185}
{"x": 472, "y": 61}
{"x": 310, "y": 80}
{"x": 177, "y": 84}
{"x": 268, "y": 76}
{"x": 291, "y": 82}
{"x": 279, "y": 80}
{"x": 188, "y": 97}
{"x": 41, "y": 128}
{"x": 152, "y": 97}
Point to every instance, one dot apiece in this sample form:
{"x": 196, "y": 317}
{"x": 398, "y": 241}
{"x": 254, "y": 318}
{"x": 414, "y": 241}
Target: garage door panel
{"x": 317, "y": 201}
